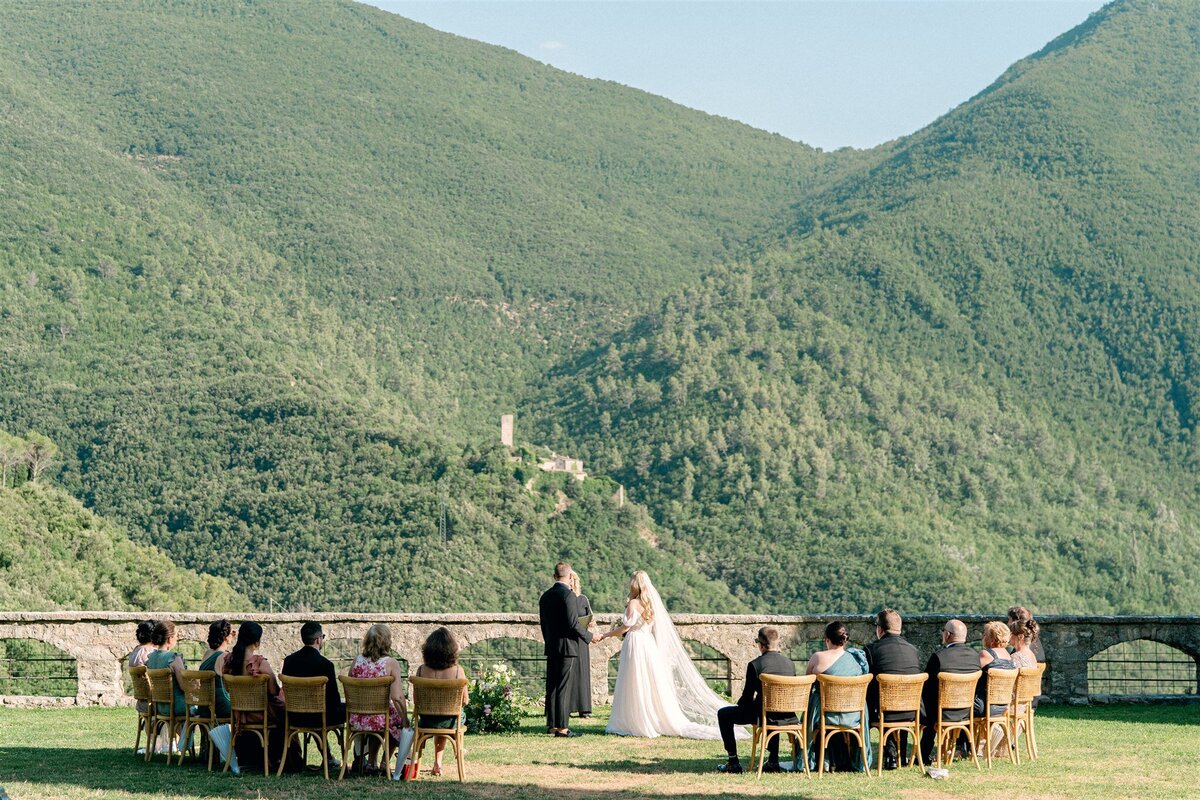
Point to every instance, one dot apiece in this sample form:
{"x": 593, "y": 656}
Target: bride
{"x": 659, "y": 691}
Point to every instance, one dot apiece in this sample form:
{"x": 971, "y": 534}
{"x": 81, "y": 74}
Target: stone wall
{"x": 99, "y": 640}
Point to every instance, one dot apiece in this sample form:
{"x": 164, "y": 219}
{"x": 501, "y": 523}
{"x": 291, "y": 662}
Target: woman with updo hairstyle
{"x": 838, "y": 658}
{"x": 164, "y": 637}
{"x": 138, "y": 655}
{"x": 220, "y": 638}
{"x": 1023, "y": 634}
{"x": 440, "y": 657}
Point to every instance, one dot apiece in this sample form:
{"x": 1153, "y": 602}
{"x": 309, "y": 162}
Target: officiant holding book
{"x": 583, "y": 686}
{"x": 565, "y": 638}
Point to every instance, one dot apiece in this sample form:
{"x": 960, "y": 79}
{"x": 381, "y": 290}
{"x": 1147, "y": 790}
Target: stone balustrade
{"x": 99, "y": 640}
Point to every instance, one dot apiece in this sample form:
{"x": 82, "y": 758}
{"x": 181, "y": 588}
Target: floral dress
{"x": 366, "y": 668}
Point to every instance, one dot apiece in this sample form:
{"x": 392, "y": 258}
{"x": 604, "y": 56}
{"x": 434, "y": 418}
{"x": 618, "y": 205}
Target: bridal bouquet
{"x": 497, "y": 702}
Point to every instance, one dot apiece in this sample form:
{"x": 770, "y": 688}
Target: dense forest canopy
{"x": 272, "y": 271}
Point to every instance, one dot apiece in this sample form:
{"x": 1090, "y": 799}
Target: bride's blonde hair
{"x": 639, "y": 589}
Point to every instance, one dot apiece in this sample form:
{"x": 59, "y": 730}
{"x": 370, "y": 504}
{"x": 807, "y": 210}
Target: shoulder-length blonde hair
{"x": 997, "y": 633}
{"x": 639, "y": 589}
{"x": 377, "y": 643}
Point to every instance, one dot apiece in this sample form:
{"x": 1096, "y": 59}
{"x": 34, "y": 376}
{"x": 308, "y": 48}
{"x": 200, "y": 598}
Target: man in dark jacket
{"x": 955, "y": 656}
{"x": 890, "y": 654}
{"x": 749, "y": 706}
{"x": 307, "y": 662}
{"x": 558, "y": 612}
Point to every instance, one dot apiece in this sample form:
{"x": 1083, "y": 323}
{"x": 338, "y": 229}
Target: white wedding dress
{"x": 659, "y": 691}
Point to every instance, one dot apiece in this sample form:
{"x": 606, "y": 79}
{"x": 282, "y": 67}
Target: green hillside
{"x": 968, "y": 373}
{"x": 272, "y": 271}
{"x": 55, "y": 554}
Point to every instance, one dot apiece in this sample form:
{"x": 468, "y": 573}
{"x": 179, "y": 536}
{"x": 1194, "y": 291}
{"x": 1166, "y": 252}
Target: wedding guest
{"x": 583, "y": 684}
{"x": 164, "y": 638}
{"x": 890, "y": 654}
{"x": 993, "y": 656}
{"x": 375, "y": 661}
{"x": 138, "y": 655}
{"x": 1022, "y": 614}
{"x": 955, "y": 656}
{"x": 220, "y": 639}
{"x": 749, "y": 706}
{"x": 244, "y": 659}
{"x": 307, "y": 662}
{"x": 837, "y": 659}
{"x": 1024, "y": 634}
{"x": 440, "y": 657}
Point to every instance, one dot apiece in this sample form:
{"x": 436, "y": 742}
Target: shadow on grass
{"x": 1134, "y": 713}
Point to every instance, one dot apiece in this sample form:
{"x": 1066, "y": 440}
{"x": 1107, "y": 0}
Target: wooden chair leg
{"x": 458, "y": 754}
{"x": 288, "y": 735}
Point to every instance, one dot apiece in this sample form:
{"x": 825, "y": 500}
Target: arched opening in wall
{"x": 33, "y": 668}
{"x": 712, "y": 665}
{"x": 343, "y": 652}
{"x": 1140, "y": 668}
{"x": 525, "y": 656}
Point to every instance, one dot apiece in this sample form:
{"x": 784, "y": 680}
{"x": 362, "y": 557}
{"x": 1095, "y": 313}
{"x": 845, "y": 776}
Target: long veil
{"x": 697, "y": 701}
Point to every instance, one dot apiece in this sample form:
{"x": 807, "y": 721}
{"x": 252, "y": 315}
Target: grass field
{"x": 1095, "y": 752}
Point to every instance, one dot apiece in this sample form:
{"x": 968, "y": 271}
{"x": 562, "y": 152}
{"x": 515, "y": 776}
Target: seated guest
{"x": 890, "y": 654}
{"x": 993, "y": 656}
{"x": 1024, "y": 634}
{"x": 220, "y": 639}
{"x": 163, "y": 656}
{"x": 749, "y": 706}
{"x": 836, "y": 659}
{"x": 1022, "y": 614}
{"x": 138, "y": 655}
{"x": 307, "y": 662}
{"x": 244, "y": 659}
{"x": 440, "y": 656}
{"x": 956, "y": 657}
{"x": 376, "y": 662}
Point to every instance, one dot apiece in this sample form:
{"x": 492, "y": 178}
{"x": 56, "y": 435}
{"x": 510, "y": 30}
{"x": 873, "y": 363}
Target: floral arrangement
{"x": 497, "y": 702}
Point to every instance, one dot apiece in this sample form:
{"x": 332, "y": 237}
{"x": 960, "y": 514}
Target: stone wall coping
{"x": 525, "y": 619}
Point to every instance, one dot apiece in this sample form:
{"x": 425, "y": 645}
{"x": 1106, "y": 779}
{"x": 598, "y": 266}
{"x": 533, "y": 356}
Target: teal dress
{"x": 163, "y": 659}
{"x": 222, "y": 696}
{"x": 839, "y": 755}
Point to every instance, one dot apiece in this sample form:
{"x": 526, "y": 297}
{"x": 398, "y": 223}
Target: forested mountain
{"x": 271, "y": 271}
{"x": 55, "y": 554}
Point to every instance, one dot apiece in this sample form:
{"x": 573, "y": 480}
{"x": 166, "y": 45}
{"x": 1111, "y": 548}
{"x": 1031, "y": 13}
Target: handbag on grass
{"x": 404, "y": 770}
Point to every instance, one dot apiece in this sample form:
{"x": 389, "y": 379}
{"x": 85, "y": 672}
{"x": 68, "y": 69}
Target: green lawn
{"x": 1100, "y": 752}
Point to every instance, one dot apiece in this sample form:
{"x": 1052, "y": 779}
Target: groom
{"x": 558, "y": 611}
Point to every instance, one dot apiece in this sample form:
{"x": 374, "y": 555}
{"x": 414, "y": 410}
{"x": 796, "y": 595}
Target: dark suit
{"x": 954, "y": 658}
{"x": 307, "y": 662}
{"x": 890, "y": 655}
{"x": 558, "y": 612}
{"x": 749, "y": 706}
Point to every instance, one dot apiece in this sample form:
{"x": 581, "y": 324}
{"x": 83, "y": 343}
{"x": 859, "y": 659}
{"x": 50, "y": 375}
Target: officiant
{"x": 583, "y": 686}
{"x": 558, "y": 612}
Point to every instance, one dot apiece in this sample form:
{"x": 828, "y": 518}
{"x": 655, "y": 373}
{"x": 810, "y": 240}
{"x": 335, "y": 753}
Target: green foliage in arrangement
{"x": 272, "y": 271}
{"x": 497, "y": 703}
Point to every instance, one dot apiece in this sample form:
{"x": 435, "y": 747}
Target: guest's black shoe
{"x": 731, "y": 767}
{"x": 585, "y": 716}
{"x": 772, "y": 766}
{"x": 889, "y": 762}
{"x": 568, "y": 734}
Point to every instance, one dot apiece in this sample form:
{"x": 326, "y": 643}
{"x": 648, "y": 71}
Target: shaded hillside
{"x": 967, "y": 375}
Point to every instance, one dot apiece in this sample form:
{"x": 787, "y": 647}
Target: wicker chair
{"x": 141, "y": 694}
{"x": 1000, "y": 686}
{"x": 367, "y": 696}
{"x": 956, "y": 692}
{"x": 248, "y": 694}
{"x": 306, "y": 696}
{"x": 200, "y": 691}
{"x": 1029, "y": 686}
{"x": 782, "y": 694}
{"x": 162, "y": 691}
{"x": 440, "y": 697}
{"x": 842, "y": 694}
{"x": 900, "y": 693}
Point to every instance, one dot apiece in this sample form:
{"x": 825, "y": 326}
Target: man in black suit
{"x": 749, "y": 706}
{"x": 890, "y": 654}
{"x": 558, "y": 611}
{"x": 954, "y": 656}
{"x": 307, "y": 662}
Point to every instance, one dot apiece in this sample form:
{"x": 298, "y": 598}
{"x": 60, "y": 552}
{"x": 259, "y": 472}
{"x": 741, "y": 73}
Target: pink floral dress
{"x": 365, "y": 668}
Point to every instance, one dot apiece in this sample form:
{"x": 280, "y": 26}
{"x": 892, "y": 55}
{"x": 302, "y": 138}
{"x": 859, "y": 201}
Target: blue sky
{"x": 829, "y": 73}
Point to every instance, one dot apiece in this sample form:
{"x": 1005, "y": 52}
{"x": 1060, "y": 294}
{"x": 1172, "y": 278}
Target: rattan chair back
{"x": 442, "y": 696}
{"x": 1000, "y": 684}
{"x": 783, "y": 694}
{"x": 141, "y": 686}
{"x": 247, "y": 693}
{"x": 162, "y": 689}
{"x": 304, "y": 695}
{"x": 1029, "y": 683}
{"x": 367, "y": 695}
{"x": 843, "y": 693}
{"x": 200, "y": 687}
{"x": 900, "y": 692}
{"x": 956, "y": 690}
